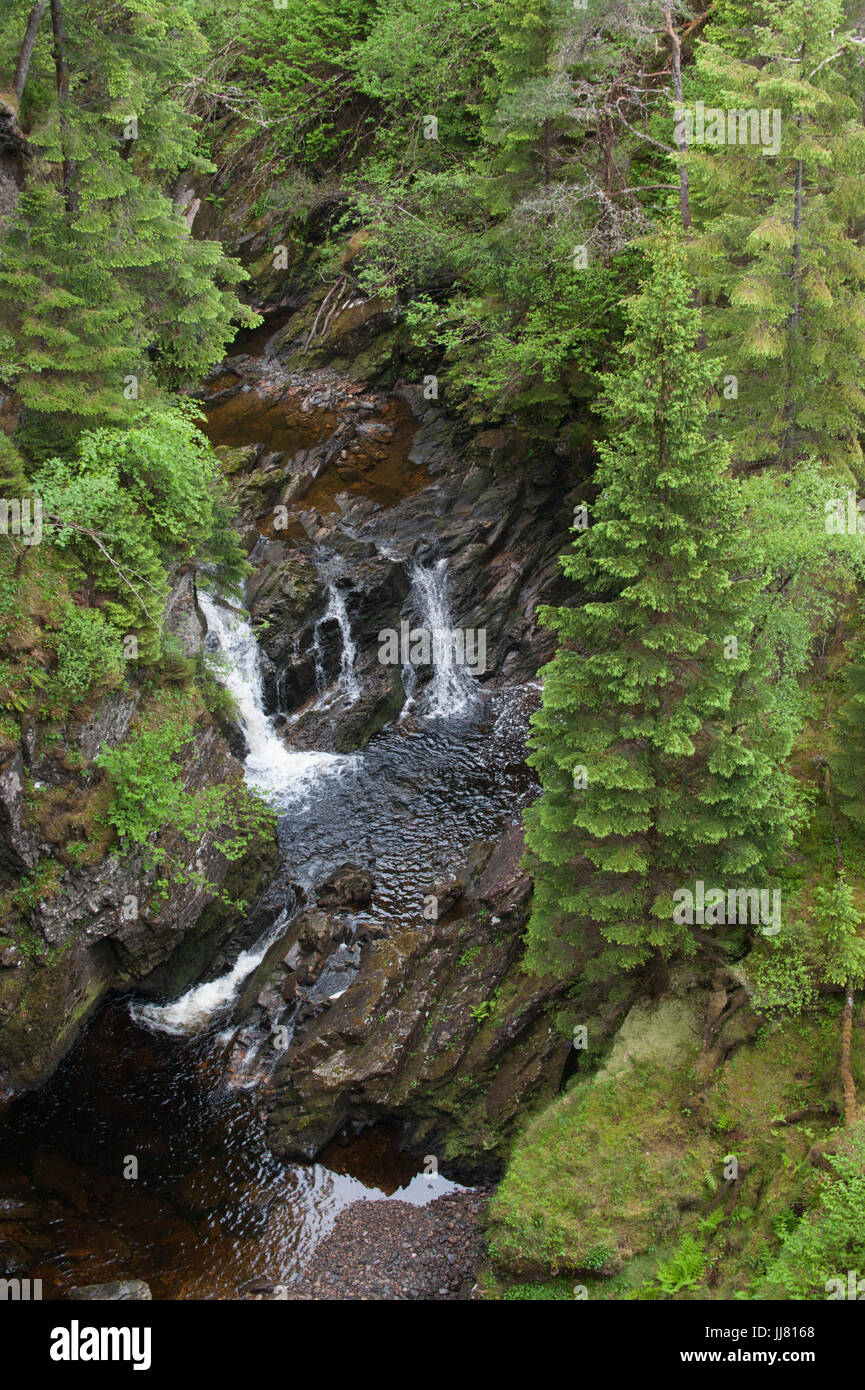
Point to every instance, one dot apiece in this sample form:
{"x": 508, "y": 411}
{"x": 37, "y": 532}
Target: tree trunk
{"x": 609, "y": 138}
{"x": 658, "y": 977}
{"x": 61, "y": 68}
{"x": 848, "y": 1085}
{"x": 27, "y": 47}
{"x": 847, "y": 1082}
{"x": 793, "y": 321}
{"x": 681, "y": 137}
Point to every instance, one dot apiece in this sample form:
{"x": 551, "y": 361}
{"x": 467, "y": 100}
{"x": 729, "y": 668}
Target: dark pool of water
{"x": 210, "y": 1208}
{"x": 414, "y": 800}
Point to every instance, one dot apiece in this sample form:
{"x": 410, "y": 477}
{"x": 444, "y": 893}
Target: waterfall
{"x": 194, "y": 1010}
{"x": 336, "y": 611}
{"x": 452, "y": 689}
{"x": 281, "y": 776}
{"x": 408, "y": 676}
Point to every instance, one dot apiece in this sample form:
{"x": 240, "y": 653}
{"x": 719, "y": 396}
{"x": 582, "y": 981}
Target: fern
{"x": 685, "y": 1267}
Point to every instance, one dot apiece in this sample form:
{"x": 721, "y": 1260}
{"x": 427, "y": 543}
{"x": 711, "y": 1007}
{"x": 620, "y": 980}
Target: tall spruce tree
{"x": 780, "y": 211}
{"x": 529, "y": 97}
{"x": 659, "y": 755}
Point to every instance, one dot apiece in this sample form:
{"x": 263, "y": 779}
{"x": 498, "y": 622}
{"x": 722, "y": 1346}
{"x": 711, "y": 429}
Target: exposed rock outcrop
{"x": 438, "y": 1028}
{"x": 79, "y": 918}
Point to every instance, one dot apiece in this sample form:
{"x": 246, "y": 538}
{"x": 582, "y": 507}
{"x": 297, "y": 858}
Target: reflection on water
{"x": 210, "y": 1209}
{"x": 413, "y": 801}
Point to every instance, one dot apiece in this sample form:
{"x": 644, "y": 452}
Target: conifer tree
{"x": 527, "y": 98}
{"x": 657, "y": 763}
{"x": 779, "y": 259}
{"x": 104, "y": 295}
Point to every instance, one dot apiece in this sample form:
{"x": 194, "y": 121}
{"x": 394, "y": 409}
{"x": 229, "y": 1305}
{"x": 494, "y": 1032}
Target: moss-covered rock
{"x": 653, "y": 1177}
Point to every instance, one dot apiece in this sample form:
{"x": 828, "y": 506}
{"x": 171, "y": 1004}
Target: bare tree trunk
{"x": 548, "y": 155}
{"x": 61, "y": 68}
{"x": 793, "y": 321}
{"x": 609, "y": 137}
{"x": 27, "y": 47}
{"x": 681, "y": 137}
{"x": 847, "y": 1082}
{"x": 682, "y": 146}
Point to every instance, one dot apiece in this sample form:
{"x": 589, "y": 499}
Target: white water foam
{"x": 283, "y": 777}
{"x": 346, "y": 686}
{"x": 453, "y": 688}
{"x": 194, "y": 1010}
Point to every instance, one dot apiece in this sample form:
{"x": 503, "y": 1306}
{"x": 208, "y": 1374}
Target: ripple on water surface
{"x": 211, "y": 1208}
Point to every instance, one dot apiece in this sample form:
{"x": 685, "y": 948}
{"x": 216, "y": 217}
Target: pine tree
{"x": 656, "y": 763}
{"x": 529, "y": 97}
{"x": 779, "y": 259}
{"x": 104, "y": 295}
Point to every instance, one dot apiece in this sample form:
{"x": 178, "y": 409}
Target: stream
{"x": 146, "y": 1087}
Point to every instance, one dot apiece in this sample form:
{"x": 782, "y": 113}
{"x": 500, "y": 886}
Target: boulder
{"x": 120, "y": 1291}
{"x": 348, "y": 886}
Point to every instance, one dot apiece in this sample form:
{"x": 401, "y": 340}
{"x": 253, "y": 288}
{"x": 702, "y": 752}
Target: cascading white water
{"x": 453, "y": 688}
{"x": 408, "y": 676}
{"x": 347, "y": 686}
{"x": 195, "y": 1009}
{"x": 282, "y": 776}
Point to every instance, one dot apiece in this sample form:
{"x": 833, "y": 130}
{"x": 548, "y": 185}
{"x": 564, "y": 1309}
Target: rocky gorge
{"x": 377, "y": 978}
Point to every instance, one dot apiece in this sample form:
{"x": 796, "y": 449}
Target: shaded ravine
{"x": 205, "y": 1207}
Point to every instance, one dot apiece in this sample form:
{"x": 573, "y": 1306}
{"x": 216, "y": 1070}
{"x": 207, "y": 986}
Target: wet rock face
{"x": 183, "y": 617}
{"x": 351, "y": 489}
{"x": 438, "y": 1027}
{"x": 346, "y": 494}
{"x": 97, "y": 925}
{"x": 19, "y": 846}
{"x": 92, "y": 941}
{"x": 348, "y": 886}
{"x": 121, "y": 1291}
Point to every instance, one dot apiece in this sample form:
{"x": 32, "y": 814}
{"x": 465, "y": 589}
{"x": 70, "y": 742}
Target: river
{"x": 142, "y": 1158}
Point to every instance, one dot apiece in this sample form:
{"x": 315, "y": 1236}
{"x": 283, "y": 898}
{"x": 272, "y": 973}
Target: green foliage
{"x": 104, "y": 295}
{"x": 829, "y": 1240}
{"x": 552, "y": 1290}
{"x": 296, "y": 62}
{"x": 685, "y": 1268}
{"x": 681, "y": 741}
{"x": 154, "y": 811}
{"x": 843, "y": 947}
{"x": 89, "y": 651}
{"x": 148, "y": 785}
{"x": 775, "y": 257}
{"x": 846, "y": 760}
{"x": 478, "y": 229}
{"x": 808, "y": 572}
{"x": 133, "y": 505}
{"x": 783, "y": 972}
{"x": 822, "y": 945}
